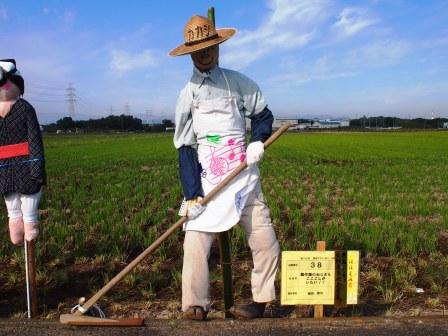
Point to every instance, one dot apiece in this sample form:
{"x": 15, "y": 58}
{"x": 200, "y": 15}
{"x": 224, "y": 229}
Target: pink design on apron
{"x": 222, "y": 160}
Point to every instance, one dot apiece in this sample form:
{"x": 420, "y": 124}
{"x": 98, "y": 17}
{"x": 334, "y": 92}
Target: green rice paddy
{"x": 110, "y": 196}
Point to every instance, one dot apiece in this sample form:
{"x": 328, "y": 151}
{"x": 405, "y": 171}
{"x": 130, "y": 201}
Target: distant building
{"x": 445, "y": 125}
{"x": 279, "y": 122}
{"x": 301, "y": 124}
{"x": 330, "y": 123}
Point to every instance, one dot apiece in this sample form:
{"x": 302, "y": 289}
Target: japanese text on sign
{"x": 352, "y": 276}
{"x": 308, "y": 277}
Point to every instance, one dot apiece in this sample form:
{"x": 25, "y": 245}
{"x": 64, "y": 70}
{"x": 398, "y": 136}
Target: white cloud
{"x": 415, "y": 99}
{"x": 48, "y": 63}
{"x": 379, "y": 53}
{"x": 437, "y": 42}
{"x": 3, "y": 14}
{"x": 297, "y": 79}
{"x": 351, "y": 21}
{"x": 68, "y": 19}
{"x": 123, "y": 61}
{"x": 293, "y": 24}
{"x": 323, "y": 69}
{"x": 329, "y": 67}
{"x": 289, "y": 25}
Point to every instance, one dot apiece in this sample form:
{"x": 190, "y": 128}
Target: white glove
{"x": 194, "y": 209}
{"x": 191, "y": 208}
{"x": 254, "y": 152}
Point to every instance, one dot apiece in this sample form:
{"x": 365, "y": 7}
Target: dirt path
{"x": 428, "y": 326}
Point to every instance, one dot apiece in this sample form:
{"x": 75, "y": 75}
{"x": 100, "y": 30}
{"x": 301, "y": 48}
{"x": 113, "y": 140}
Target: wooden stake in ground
{"x": 224, "y": 243}
{"x": 30, "y": 275}
{"x": 319, "y": 309}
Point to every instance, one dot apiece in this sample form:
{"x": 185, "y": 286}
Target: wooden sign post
{"x": 319, "y": 309}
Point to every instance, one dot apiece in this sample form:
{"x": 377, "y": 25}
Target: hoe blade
{"x": 82, "y": 320}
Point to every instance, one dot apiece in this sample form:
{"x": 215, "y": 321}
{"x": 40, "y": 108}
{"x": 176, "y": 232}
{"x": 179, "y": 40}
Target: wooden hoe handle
{"x": 172, "y": 229}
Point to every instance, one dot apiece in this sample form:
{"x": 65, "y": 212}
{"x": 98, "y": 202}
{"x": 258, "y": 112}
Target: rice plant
{"x": 110, "y": 196}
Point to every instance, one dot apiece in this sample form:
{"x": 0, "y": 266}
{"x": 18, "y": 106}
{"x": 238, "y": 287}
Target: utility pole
{"x": 127, "y": 109}
{"x": 127, "y": 112}
{"x": 71, "y": 100}
{"x": 148, "y": 116}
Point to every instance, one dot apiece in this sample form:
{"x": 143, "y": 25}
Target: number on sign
{"x": 313, "y": 264}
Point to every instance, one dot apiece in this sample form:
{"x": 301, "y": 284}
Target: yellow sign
{"x": 308, "y": 277}
{"x": 352, "y": 276}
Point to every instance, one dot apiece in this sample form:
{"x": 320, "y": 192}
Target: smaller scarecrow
{"x": 22, "y": 168}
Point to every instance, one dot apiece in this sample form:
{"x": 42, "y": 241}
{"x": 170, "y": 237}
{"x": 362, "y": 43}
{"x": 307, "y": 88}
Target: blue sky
{"x": 311, "y": 58}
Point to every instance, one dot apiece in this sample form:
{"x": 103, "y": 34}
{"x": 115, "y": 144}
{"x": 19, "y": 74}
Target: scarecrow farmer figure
{"x": 22, "y": 169}
{"x": 211, "y": 139}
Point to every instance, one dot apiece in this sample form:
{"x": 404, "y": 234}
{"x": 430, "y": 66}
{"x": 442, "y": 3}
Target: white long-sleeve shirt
{"x": 211, "y": 85}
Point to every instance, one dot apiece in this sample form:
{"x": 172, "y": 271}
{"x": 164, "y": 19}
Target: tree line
{"x": 121, "y": 123}
{"x": 391, "y": 122}
{"x": 127, "y": 123}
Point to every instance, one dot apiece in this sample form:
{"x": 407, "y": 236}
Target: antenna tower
{"x": 71, "y": 100}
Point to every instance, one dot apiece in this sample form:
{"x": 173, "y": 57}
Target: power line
{"x": 45, "y": 100}
{"x": 41, "y": 94}
{"x": 45, "y": 87}
{"x": 44, "y": 90}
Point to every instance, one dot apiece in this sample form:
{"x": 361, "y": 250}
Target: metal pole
{"x": 27, "y": 278}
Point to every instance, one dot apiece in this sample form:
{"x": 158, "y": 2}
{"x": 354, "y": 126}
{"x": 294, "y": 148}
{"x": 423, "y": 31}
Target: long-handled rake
{"x": 78, "y": 317}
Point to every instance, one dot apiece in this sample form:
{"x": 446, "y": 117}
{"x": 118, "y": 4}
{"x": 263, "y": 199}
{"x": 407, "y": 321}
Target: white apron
{"x": 221, "y": 135}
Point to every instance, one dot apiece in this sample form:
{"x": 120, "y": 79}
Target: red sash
{"x": 10, "y": 151}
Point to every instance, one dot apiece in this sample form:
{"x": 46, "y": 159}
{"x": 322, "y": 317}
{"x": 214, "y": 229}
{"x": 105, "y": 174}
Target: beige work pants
{"x": 256, "y": 221}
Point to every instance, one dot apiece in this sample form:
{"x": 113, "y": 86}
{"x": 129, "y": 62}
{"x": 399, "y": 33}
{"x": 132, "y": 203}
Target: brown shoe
{"x": 258, "y": 310}
{"x": 275, "y": 310}
{"x": 195, "y": 313}
{"x": 248, "y": 311}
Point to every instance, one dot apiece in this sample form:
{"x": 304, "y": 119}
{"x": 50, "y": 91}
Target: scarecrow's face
{"x": 9, "y": 91}
{"x": 206, "y": 59}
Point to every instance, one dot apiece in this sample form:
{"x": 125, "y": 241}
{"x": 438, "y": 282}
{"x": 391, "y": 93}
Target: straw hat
{"x": 200, "y": 33}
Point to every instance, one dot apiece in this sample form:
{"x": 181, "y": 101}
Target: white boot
{"x": 16, "y": 230}
{"x": 31, "y": 231}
